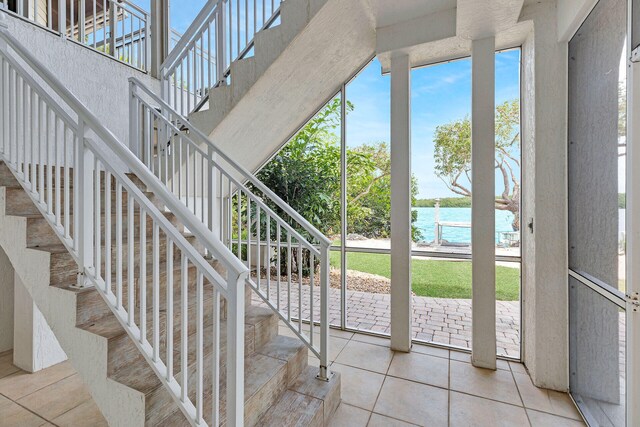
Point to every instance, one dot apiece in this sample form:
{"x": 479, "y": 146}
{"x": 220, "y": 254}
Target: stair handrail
{"x": 86, "y": 215}
{"x": 213, "y": 245}
{"x": 224, "y": 33}
{"x": 202, "y": 19}
{"x": 246, "y": 175}
{"x": 182, "y": 150}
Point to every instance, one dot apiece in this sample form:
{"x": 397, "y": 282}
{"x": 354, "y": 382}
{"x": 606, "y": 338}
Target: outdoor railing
{"x": 63, "y": 157}
{"x": 288, "y": 256}
{"x": 118, "y": 28}
{"x": 223, "y": 32}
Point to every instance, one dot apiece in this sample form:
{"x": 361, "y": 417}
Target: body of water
{"x": 426, "y": 223}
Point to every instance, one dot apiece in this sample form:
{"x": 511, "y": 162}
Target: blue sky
{"x": 439, "y": 94}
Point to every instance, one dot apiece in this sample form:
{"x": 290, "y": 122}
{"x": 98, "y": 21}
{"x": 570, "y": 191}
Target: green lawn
{"x": 439, "y": 279}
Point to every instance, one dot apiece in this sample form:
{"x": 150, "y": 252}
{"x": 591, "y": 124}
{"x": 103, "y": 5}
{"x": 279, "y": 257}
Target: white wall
{"x": 6, "y": 303}
{"x": 544, "y": 129}
{"x": 99, "y": 81}
{"x": 571, "y": 13}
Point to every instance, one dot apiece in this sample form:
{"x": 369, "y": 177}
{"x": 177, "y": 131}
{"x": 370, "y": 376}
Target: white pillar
{"x": 160, "y": 34}
{"x": 6, "y": 303}
{"x": 483, "y": 203}
{"x": 633, "y": 244}
{"x": 400, "y": 203}
{"x": 35, "y": 347}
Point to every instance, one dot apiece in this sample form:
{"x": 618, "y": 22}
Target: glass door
{"x": 597, "y": 158}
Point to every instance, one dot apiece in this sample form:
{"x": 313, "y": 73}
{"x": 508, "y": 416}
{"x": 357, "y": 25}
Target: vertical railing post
{"x": 62, "y": 17}
{"x": 212, "y": 193}
{"x": 148, "y": 36}
{"x": 324, "y": 373}
{"x": 133, "y": 120}
{"x": 235, "y": 340}
{"x": 82, "y": 15}
{"x": 221, "y": 36}
{"x": 83, "y": 208}
{"x": 113, "y": 28}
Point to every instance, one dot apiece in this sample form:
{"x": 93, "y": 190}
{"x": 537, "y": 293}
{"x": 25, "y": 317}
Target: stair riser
{"x": 19, "y": 203}
{"x": 39, "y": 233}
{"x": 64, "y": 269}
{"x": 92, "y": 307}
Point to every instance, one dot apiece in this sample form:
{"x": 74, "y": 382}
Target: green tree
{"x": 306, "y": 175}
{"x": 452, "y": 153}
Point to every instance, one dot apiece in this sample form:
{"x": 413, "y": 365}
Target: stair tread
{"x": 294, "y": 409}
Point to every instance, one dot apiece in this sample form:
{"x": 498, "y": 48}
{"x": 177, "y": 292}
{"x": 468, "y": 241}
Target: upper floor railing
{"x": 288, "y": 256}
{"x": 223, "y": 32}
{"x": 63, "y": 157}
{"x": 117, "y": 28}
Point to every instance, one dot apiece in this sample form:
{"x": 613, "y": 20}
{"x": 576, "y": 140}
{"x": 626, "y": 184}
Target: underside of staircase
{"x": 295, "y": 68}
{"x": 280, "y": 387}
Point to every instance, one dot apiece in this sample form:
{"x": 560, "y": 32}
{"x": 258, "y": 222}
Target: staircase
{"x": 151, "y": 308}
{"x": 299, "y": 61}
{"x": 276, "y": 367}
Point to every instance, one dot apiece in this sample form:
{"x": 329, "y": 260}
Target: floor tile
{"x": 22, "y": 383}
{"x": 421, "y": 367}
{"x": 430, "y": 350}
{"x": 56, "y": 399}
{"x": 349, "y": 416}
{"x": 359, "y": 387}
{"x": 13, "y": 415}
{"x": 87, "y": 414}
{"x": 541, "y": 419}
{"x": 549, "y": 401}
{"x": 6, "y": 364}
{"x": 413, "y": 402}
{"x": 496, "y": 385}
{"x": 341, "y": 334}
{"x": 371, "y": 339}
{"x": 366, "y": 356}
{"x": 518, "y": 368}
{"x": 472, "y": 411}
{"x": 378, "y": 420}
{"x": 466, "y": 357}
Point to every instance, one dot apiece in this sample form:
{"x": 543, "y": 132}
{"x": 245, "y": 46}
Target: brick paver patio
{"x": 438, "y": 320}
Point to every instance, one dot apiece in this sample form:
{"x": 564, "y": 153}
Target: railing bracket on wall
{"x": 634, "y": 301}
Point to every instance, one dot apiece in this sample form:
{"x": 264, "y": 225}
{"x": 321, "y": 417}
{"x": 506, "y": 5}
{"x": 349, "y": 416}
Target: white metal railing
{"x": 64, "y": 159}
{"x": 223, "y": 32}
{"x": 288, "y": 256}
{"x": 118, "y": 28}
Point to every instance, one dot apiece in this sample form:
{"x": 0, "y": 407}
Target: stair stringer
{"x": 87, "y": 352}
{"x": 296, "y": 68}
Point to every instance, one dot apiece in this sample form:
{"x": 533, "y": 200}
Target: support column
{"x": 483, "y": 203}
{"x": 6, "y": 302}
{"x": 35, "y": 347}
{"x": 400, "y": 203}
{"x": 160, "y": 34}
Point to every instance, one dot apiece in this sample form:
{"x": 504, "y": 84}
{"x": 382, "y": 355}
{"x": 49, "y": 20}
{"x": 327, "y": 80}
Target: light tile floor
{"x": 52, "y": 397}
{"x": 436, "y": 387}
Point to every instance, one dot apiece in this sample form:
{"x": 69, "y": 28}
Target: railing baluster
{"x": 299, "y": 265}
{"x": 107, "y": 232}
{"x": 199, "y": 348}
{"x": 169, "y": 309}
{"x": 130, "y": 260}
{"x": 156, "y": 291}
{"x": 119, "y": 220}
{"x": 311, "y": 302}
{"x": 184, "y": 332}
{"x": 143, "y": 276}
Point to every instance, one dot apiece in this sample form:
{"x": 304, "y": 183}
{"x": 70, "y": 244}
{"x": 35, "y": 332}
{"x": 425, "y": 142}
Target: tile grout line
{"x": 29, "y": 410}
{"x": 526, "y": 413}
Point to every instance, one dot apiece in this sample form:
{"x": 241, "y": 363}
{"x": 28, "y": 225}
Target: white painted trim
{"x": 401, "y": 312}
{"x": 483, "y": 203}
{"x": 633, "y": 242}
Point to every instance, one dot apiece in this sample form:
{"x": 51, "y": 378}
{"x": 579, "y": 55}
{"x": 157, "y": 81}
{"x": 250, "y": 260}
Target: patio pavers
{"x": 438, "y": 320}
